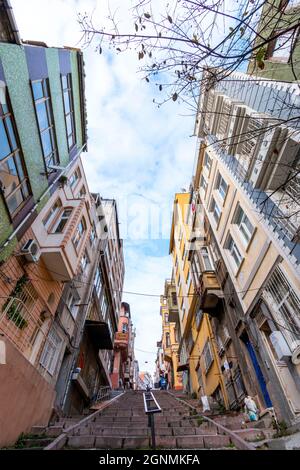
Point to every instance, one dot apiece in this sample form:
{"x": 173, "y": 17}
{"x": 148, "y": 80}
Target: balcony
{"x": 99, "y": 334}
{"x": 210, "y": 293}
{"x": 121, "y": 340}
{"x": 57, "y": 250}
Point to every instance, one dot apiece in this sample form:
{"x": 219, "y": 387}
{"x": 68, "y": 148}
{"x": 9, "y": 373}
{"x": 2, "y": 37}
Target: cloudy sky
{"x": 138, "y": 154}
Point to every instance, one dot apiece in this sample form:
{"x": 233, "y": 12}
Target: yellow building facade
{"x": 252, "y": 231}
{"x": 199, "y": 359}
{"x": 170, "y": 336}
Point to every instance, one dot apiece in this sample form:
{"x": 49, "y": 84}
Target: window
{"x": 93, "y": 235}
{"x": 216, "y": 211}
{"x": 62, "y": 221}
{"x": 124, "y": 327}
{"x": 203, "y": 183}
{"x": 199, "y": 316}
{"x": 207, "y": 161}
{"x": 66, "y": 81}
{"x": 44, "y": 114}
{"x": 51, "y": 352}
{"x": 84, "y": 262}
{"x": 244, "y": 225}
{"x": 207, "y": 356}
{"x": 52, "y": 213}
{"x": 98, "y": 281}
{"x": 71, "y": 304}
{"x": 104, "y": 306}
{"x": 207, "y": 264}
{"x": 285, "y": 304}
{"x": 166, "y": 318}
{"x": 13, "y": 178}
{"x": 234, "y": 251}
{"x": 75, "y": 177}
{"x": 80, "y": 230}
{"x": 174, "y": 298}
{"x": 221, "y": 186}
{"x": 82, "y": 192}
{"x": 168, "y": 342}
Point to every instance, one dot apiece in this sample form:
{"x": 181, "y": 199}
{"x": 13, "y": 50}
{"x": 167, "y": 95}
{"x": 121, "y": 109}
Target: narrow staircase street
{"x": 123, "y": 424}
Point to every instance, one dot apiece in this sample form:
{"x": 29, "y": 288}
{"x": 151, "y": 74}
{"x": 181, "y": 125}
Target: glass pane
{"x": 14, "y": 201}
{"x": 67, "y": 102}
{"x": 61, "y": 225}
{"x": 37, "y": 89}
{"x": 19, "y": 166}
{"x": 8, "y": 176}
{"x": 71, "y": 141}
{"x": 69, "y": 124}
{"x": 47, "y": 143}
{"x": 4, "y": 145}
{"x": 25, "y": 190}
{"x": 42, "y": 115}
{"x": 11, "y": 133}
{"x": 64, "y": 81}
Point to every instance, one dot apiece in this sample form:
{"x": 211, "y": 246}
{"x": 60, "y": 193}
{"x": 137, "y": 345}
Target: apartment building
{"x": 87, "y": 358}
{"x": 123, "y": 367}
{"x": 247, "y": 186}
{"x": 170, "y": 336}
{"x": 199, "y": 361}
{"x": 42, "y": 211}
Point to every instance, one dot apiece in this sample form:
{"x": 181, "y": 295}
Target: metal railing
{"x": 151, "y": 407}
{"x": 103, "y": 393}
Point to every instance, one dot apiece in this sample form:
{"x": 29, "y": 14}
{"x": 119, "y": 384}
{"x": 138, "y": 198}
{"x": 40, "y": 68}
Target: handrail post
{"x": 151, "y": 406}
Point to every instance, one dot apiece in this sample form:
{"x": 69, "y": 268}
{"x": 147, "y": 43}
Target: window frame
{"x": 52, "y": 214}
{"x": 55, "y": 341}
{"x": 207, "y": 348}
{"x": 213, "y": 207}
{"x": 78, "y": 236}
{"x": 242, "y": 227}
{"x": 231, "y": 249}
{"x": 6, "y": 115}
{"x": 218, "y": 186}
{"x": 71, "y": 112}
{"x": 207, "y": 161}
{"x": 51, "y": 128}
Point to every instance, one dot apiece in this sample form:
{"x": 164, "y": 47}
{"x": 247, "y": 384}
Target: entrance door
{"x": 258, "y": 372}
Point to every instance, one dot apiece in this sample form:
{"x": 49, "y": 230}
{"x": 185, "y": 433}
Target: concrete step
{"x": 36, "y": 443}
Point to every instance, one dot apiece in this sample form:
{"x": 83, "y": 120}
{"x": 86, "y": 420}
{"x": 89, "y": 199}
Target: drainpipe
{"x": 8, "y": 240}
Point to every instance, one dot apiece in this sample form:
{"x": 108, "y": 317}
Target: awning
{"x": 99, "y": 333}
{"x": 182, "y": 367}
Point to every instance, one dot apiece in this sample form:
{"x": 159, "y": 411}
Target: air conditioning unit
{"x": 31, "y": 251}
{"x": 295, "y": 347}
